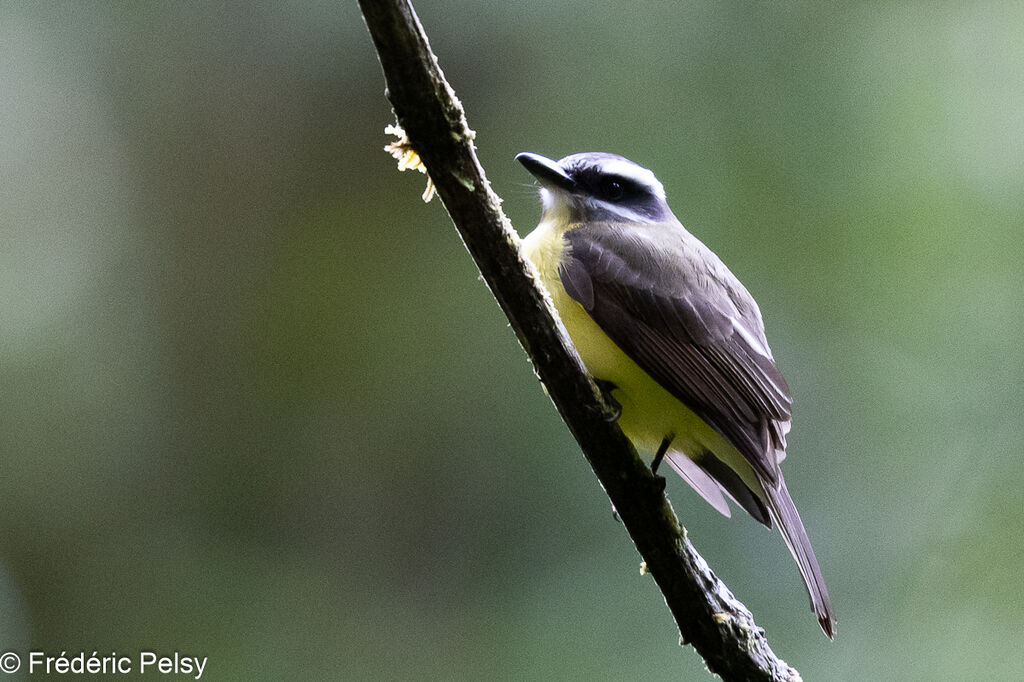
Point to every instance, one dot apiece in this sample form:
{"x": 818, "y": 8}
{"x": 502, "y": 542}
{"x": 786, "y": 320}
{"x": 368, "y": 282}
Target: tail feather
{"x": 785, "y": 514}
{"x": 699, "y": 480}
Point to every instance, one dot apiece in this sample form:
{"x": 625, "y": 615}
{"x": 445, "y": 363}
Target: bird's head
{"x": 596, "y": 187}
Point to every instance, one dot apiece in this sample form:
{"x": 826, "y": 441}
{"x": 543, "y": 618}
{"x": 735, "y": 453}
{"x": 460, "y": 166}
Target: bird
{"x": 673, "y": 339}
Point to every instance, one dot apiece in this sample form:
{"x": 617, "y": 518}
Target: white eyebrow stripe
{"x": 631, "y": 171}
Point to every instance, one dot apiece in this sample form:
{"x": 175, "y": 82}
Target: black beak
{"x": 547, "y": 171}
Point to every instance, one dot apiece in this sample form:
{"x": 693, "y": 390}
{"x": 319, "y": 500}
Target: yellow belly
{"x": 649, "y": 412}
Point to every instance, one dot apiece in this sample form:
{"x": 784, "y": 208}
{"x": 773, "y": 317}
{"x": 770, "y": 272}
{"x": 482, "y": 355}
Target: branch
{"x": 718, "y": 626}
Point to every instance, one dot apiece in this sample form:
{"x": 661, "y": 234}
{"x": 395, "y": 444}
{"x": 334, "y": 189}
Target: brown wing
{"x": 669, "y": 303}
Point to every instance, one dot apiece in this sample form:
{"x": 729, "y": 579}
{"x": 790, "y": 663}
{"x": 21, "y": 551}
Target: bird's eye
{"x": 611, "y": 190}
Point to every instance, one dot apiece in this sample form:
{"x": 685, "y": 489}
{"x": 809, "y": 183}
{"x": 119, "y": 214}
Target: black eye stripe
{"x": 608, "y": 187}
{"x": 611, "y": 187}
{"x": 618, "y": 188}
{"x": 623, "y": 180}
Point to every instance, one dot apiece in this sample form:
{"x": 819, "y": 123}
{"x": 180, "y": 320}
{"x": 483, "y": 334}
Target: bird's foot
{"x": 660, "y": 454}
{"x": 606, "y": 388}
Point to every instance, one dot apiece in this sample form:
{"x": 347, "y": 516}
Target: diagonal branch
{"x": 718, "y": 626}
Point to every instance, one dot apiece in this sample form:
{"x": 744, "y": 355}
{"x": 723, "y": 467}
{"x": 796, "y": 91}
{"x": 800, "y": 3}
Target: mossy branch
{"x": 714, "y": 622}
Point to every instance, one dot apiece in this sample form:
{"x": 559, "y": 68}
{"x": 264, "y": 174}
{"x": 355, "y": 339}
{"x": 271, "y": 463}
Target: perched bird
{"x": 672, "y": 337}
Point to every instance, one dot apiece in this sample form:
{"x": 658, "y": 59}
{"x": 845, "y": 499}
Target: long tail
{"x": 782, "y": 509}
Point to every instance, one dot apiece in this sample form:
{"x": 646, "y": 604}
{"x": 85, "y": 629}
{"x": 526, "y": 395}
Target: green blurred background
{"x": 257, "y": 406}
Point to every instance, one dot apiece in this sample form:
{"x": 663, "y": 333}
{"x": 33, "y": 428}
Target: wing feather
{"x": 672, "y": 306}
